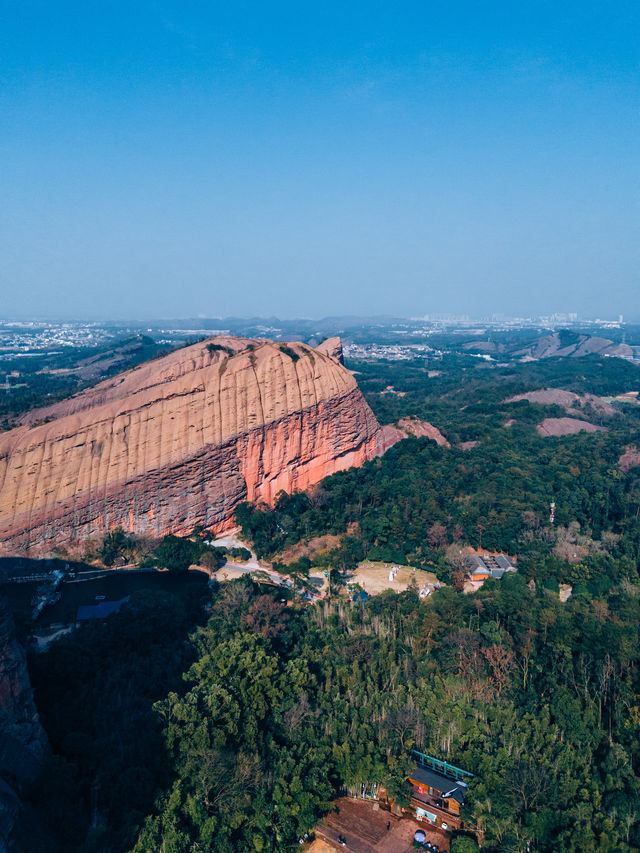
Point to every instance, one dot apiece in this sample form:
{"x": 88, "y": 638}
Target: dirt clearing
{"x": 374, "y": 577}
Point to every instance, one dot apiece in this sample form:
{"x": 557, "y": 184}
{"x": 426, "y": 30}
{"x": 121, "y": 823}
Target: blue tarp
{"x": 99, "y": 611}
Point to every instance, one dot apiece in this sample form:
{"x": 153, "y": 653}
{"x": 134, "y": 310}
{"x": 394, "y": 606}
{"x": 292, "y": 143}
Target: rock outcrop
{"x": 392, "y": 433}
{"x": 573, "y": 403}
{"x": 180, "y": 441}
{"x": 562, "y": 344}
{"x": 565, "y": 426}
{"x": 630, "y": 458}
{"x": 333, "y": 348}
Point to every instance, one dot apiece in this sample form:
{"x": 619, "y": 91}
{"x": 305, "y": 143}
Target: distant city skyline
{"x": 571, "y": 318}
{"x": 167, "y": 160}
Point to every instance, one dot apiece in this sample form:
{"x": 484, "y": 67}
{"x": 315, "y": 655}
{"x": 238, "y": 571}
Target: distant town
{"x": 393, "y": 338}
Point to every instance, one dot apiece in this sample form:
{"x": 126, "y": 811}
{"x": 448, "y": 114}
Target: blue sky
{"x": 164, "y": 159}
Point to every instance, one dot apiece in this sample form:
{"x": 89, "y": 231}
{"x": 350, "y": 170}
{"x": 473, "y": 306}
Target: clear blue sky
{"x": 302, "y": 159}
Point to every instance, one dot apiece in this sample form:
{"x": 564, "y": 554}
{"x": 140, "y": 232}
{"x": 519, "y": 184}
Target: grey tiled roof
{"x": 440, "y": 783}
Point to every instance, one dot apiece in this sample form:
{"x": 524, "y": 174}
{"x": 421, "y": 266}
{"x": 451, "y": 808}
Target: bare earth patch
{"x": 310, "y": 548}
{"x": 374, "y": 577}
{"x": 570, "y": 401}
{"x": 321, "y": 846}
{"x": 630, "y": 458}
{"x": 363, "y": 825}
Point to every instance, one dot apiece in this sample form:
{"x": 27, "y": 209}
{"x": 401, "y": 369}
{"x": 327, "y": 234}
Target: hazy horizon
{"x": 556, "y": 317}
{"x": 168, "y": 161}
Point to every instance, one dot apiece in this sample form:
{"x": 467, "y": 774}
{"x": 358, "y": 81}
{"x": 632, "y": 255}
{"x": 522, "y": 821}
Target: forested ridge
{"x": 479, "y": 496}
{"x": 418, "y": 500}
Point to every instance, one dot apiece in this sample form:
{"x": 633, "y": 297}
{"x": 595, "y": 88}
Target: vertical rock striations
{"x": 180, "y": 441}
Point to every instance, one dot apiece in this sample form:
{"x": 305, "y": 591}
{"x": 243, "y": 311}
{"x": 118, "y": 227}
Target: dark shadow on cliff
{"x": 23, "y": 743}
{"x": 95, "y": 691}
{"x": 22, "y": 566}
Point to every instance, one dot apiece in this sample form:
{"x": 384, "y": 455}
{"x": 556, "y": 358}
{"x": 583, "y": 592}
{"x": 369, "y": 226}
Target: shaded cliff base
{"x": 23, "y": 743}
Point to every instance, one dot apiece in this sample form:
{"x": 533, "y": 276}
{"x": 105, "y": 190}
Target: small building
{"x": 438, "y": 790}
{"x": 488, "y": 566}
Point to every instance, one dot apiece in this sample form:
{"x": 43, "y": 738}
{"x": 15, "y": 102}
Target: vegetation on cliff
{"x": 419, "y": 500}
{"x": 421, "y": 503}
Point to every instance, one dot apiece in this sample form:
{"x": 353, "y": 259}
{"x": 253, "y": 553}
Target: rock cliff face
{"x": 333, "y": 348}
{"x": 180, "y": 441}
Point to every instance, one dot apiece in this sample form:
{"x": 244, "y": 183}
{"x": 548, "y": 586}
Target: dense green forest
{"x": 420, "y": 503}
{"x": 180, "y": 729}
{"x": 464, "y": 396}
{"x": 495, "y": 496}
{"x": 284, "y": 708}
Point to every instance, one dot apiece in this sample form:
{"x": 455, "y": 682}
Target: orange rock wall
{"x": 180, "y": 441}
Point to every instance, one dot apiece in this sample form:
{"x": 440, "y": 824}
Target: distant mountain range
{"x": 562, "y": 344}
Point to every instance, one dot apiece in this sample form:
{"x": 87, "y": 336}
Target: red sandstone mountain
{"x": 180, "y": 441}
{"x": 332, "y": 347}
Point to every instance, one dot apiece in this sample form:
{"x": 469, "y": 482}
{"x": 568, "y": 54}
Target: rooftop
{"x": 443, "y": 784}
{"x": 493, "y": 565}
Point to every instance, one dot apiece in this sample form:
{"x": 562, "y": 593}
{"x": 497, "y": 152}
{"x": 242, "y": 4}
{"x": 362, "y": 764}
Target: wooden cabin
{"x": 438, "y": 790}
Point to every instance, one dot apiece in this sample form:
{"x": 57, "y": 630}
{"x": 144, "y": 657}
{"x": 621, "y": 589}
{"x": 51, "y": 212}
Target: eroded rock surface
{"x": 573, "y": 403}
{"x": 393, "y": 433}
{"x": 565, "y": 426}
{"x": 333, "y": 348}
{"x": 180, "y": 441}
